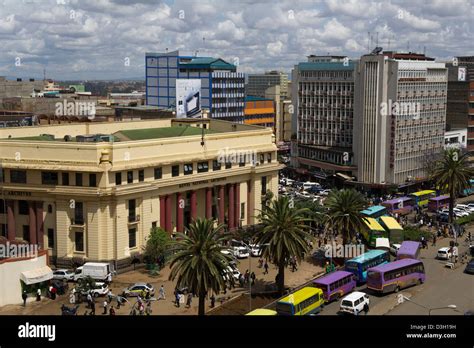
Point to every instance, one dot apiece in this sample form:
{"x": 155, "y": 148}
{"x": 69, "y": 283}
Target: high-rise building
{"x": 323, "y": 100}
{"x": 258, "y": 83}
{"x": 222, "y": 87}
{"x": 460, "y": 106}
{"x": 400, "y": 115}
{"x": 259, "y": 112}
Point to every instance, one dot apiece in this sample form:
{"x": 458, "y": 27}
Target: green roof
{"x": 155, "y": 133}
{"x": 251, "y": 98}
{"x": 306, "y": 66}
{"x": 207, "y": 63}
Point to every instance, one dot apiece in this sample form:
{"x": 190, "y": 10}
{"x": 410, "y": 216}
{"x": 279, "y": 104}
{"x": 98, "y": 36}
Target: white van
{"x": 96, "y": 270}
{"x": 309, "y": 184}
{"x": 354, "y": 303}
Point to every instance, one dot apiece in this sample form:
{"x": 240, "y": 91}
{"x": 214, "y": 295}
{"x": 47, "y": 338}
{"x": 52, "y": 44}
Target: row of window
{"x": 419, "y": 268}
{"x": 50, "y": 178}
{"x": 341, "y": 282}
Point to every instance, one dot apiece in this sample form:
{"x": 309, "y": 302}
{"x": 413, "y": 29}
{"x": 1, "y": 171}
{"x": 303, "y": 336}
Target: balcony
{"x": 132, "y": 219}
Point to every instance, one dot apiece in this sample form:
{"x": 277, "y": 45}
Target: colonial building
{"x": 94, "y": 190}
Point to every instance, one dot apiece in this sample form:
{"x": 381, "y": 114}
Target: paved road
{"x": 442, "y": 287}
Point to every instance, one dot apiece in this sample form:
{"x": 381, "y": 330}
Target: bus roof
{"x": 391, "y": 223}
{"x": 374, "y": 209}
{"x": 408, "y": 247}
{"x": 262, "y": 311}
{"x": 301, "y": 295}
{"x": 393, "y": 265}
{"x": 368, "y": 255}
{"x": 439, "y": 198}
{"x": 331, "y": 278}
{"x": 422, "y": 193}
{"x": 373, "y": 224}
{"x": 398, "y": 200}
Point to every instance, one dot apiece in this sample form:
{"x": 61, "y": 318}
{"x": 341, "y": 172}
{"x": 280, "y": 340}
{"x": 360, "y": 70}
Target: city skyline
{"x": 79, "y": 40}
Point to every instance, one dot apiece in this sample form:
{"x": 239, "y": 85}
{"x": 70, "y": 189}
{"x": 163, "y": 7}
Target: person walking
{"x": 105, "y": 306}
{"x": 89, "y": 298}
{"x": 92, "y": 308}
{"x": 177, "y": 298}
{"x": 112, "y": 310}
{"x": 252, "y": 278}
{"x": 38, "y": 295}
{"x": 110, "y": 296}
{"x": 246, "y": 276}
{"x": 213, "y": 301}
{"x": 24, "y": 296}
{"x": 265, "y": 266}
{"x": 189, "y": 300}
{"x": 434, "y": 240}
{"x": 119, "y": 301}
{"x": 366, "y": 309}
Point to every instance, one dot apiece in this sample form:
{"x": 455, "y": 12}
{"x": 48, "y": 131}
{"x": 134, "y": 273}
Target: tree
{"x": 286, "y": 233}
{"x": 156, "y": 244}
{"x": 452, "y": 173}
{"x": 344, "y": 208}
{"x": 198, "y": 262}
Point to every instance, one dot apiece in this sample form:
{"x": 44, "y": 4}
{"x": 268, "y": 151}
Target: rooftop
{"x": 307, "y": 66}
{"x": 157, "y": 133}
{"x": 207, "y": 63}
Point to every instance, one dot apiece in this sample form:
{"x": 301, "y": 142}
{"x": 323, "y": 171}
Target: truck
{"x": 96, "y": 270}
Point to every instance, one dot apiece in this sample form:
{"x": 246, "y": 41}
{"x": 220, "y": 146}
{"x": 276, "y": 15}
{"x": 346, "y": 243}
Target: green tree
{"x": 198, "y": 262}
{"x": 156, "y": 244}
{"x": 452, "y": 173}
{"x": 344, "y": 208}
{"x": 286, "y": 233}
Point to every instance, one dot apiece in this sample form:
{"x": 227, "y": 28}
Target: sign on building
{"x": 188, "y": 98}
{"x": 461, "y": 74}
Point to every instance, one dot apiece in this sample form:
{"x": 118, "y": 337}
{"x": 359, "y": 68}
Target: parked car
{"x": 470, "y": 267}
{"x": 325, "y": 192}
{"x": 63, "y": 274}
{"x": 256, "y": 249}
{"x": 354, "y": 303}
{"x": 460, "y": 212}
{"x": 99, "y": 289}
{"x": 465, "y": 208}
{"x": 137, "y": 288}
{"x": 232, "y": 272}
{"x": 444, "y": 254}
{"x": 241, "y": 252}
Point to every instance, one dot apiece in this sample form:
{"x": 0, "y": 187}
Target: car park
{"x": 63, "y": 274}
{"x": 137, "y": 289}
{"x": 444, "y": 254}
{"x": 354, "y": 303}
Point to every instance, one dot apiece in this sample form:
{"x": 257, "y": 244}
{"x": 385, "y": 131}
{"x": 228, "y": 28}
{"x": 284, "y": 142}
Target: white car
{"x": 444, "y": 254}
{"x": 304, "y": 194}
{"x": 241, "y": 252}
{"x": 100, "y": 289}
{"x": 232, "y": 272}
{"x": 63, "y": 274}
{"x": 354, "y": 303}
{"x": 460, "y": 212}
{"x": 257, "y": 249}
{"x": 325, "y": 192}
{"x": 465, "y": 208}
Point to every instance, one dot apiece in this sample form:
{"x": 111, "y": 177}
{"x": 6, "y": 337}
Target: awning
{"x": 344, "y": 176}
{"x": 37, "y": 275}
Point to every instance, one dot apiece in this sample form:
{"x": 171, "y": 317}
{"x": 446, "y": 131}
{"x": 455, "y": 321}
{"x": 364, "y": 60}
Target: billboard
{"x": 461, "y": 74}
{"x": 188, "y": 98}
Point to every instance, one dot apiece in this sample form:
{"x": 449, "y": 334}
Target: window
{"x": 132, "y": 210}
{"x": 2, "y": 174}
{"x": 264, "y": 185}
{"x": 158, "y": 173}
{"x": 3, "y": 230}
{"x": 118, "y": 178}
{"x": 153, "y": 224}
{"x": 23, "y": 207}
{"x": 92, "y": 180}
{"x": 269, "y": 157}
{"x": 203, "y": 167}
{"x": 79, "y": 213}
{"x": 79, "y": 241}
{"x": 242, "y": 211}
{"x": 2, "y": 206}
{"x": 132, "y": 237}
{"x": 49, "y": 178}
{"x": 228, "y": 165}
{"x": 65, "y": 179}
{"x": 262, "y": 158}
{"x": 50, "y": 208}
{"x": 26, "y": 232}
{"x": 242, "y": 162}
{"x": 175, "y": 171}
{"x": 141, "y": 175}
{"x": 188, "y": 168}
{"x": 130, "y": 177}
{"x": 18, "y": 176}
{"x": 216, "y": 165}
{"x": 78, "y": 179}
{"x": 50, "y": 238}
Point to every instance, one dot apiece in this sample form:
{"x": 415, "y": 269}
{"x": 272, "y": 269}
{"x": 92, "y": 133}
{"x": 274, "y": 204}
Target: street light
{"x": 403, "y": 298}
{"x": 250, "y": 271}
{"x": 445, "y": 307}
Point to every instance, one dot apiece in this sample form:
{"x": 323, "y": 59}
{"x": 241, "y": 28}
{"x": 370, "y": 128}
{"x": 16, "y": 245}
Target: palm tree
{"x": 198, "y": 262}
{"x": 344, "y": 208}
{"x": 286, "y": 234}
{"x": 452, "y": 172}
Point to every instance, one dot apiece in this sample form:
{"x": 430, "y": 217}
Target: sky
{"x": 108, "y": 39}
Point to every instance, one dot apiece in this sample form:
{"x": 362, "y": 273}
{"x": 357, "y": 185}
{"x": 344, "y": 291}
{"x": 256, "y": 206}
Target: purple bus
{"x": 335, "y": 285}
{"x": 409, "y": 250}
{"x": 436, "y": 203}
{"x": 395, "y": 275}
{"x": 401, "y": 205}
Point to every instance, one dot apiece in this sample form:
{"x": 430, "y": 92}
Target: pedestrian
{"x": 112, "y": 310}
{"x": 89, "y": 298}
{"x": 246, "y": 276}
{"x": 213, "y": 301}
{"x": 53, "y": 293}
{"x": 260, "y": 263}
{"x": 105, "y": 306}
{"x": 434, "y": 240}
{"x": 189, "y": 300}
{"x": 148, "y": 308}
{"x": 177, "y": 298}
{"x": 162, "y": 293}
{"x": 253, "y": 277}
{"x": 241, "y": 281}
{"x": 119, "y": 301}
{"x": 366, "y": 309}
{"x": 92, "y": 308}
{"x": 38, "y": 295}
{"x": 24, "y": 296}
{"x": 265, "y": 266}
{"x": 110, "y": 296}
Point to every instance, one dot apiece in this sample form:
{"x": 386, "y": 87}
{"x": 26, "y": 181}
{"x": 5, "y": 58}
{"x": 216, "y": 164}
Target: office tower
{"x": 258, "y": 83}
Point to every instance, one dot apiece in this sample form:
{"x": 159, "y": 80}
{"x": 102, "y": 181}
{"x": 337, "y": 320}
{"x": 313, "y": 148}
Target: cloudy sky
{"x": 107, "y": 39}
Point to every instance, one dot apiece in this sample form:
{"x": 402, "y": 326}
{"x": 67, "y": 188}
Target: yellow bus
{"x": 394, "y": 229}
{"x": 305, "y": 301}
{"x": 422, "y": 197}
{"x": 262, "y": 311}
{"x": 373, "y": 231}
